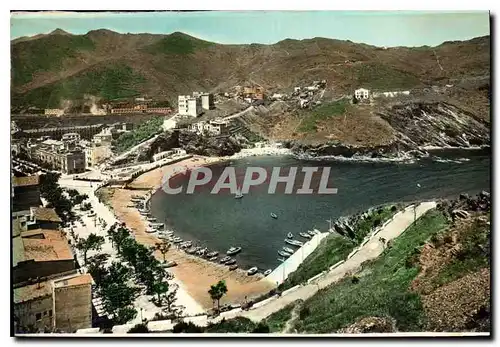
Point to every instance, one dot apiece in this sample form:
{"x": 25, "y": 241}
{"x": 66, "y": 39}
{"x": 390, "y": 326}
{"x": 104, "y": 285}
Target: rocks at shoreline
{"x": 417, "y": 126}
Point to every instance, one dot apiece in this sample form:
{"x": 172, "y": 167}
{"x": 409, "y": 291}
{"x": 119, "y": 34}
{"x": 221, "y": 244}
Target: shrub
{"x": 304, "y": 312}
{"x": 183, "y": 327}
{"x": 261, "y": 328}
{"x": 138, "y": 329}
{"x": 355, "y": 279}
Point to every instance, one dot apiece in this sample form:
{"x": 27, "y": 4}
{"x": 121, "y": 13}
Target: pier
{"x": 280, "y": 274}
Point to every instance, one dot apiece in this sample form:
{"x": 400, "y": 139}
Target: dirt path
{"x": 294, "y": 315}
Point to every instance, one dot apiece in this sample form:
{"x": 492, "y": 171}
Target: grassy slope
{"x": 177, "y": 43}
{"x": 325, "y": 111}
{"x": 138, "y": 135}
{"x": 335, "y": 248}
{"x": 381, "y": 291}
{"x": 46, "y": 54}
{"x": 109, "y": 82}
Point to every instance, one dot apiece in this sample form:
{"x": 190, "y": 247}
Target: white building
{"x": 362, "y": 93}
{"x": 70, "y": 137}
{"x": 104, "y": 137}
{"x": 213, "y": 127}
{"x": 189, "y": 105}
{"x": 207, "y": 101}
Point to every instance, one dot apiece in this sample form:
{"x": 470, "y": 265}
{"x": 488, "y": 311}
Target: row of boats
{"x": 140, "y": 203}
{"x": 286, "y": 252}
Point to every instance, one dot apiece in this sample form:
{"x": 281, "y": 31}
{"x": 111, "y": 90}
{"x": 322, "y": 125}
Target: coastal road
{"x": 371, "y": 250}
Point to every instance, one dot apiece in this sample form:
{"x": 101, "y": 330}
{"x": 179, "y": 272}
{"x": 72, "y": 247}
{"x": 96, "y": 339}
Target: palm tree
{"x": 217, "y": 291}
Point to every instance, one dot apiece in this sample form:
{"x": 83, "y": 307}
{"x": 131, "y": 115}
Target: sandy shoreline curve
{"x": 194, "y": 274}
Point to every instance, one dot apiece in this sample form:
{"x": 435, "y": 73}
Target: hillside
{"x": 48, "y": 69}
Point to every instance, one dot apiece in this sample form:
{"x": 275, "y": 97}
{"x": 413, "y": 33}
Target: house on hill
{"x": 362, "y": 94}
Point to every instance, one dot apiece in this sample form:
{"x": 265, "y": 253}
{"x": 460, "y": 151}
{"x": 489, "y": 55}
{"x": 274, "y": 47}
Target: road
{"x": 248, "y": 109}
{"x": 371, "y": 250}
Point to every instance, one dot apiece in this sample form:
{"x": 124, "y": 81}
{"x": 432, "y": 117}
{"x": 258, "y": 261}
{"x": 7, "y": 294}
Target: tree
{"x": 125, "y": 314}
{"x": 160, "y": 288}
{"x": 217, "y": 291}
{"x": 92, "y": 242}
{"x": 163, "y": 247}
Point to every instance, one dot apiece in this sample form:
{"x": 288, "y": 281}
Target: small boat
{"x": 191, "y": 250}
{"x": 151, "y": 219}
{"x": 169, "y": 264}
{"x": 252, "y": 271}
{"x": 311, "y": 232}
{"x": 225, "y": 259}
{"x": 163, "y": 237}
{"x": 289, "y": 236}
{"x": 177, "y": 240}
{"x": 233, "y": 267}
{"x": 202, "y": 251}
{"x": 305, "y": 235}
{"x": 233, "y": 250}
{"x": 294, "y": 242}
{"x": 213, "y": 259}
{"x": 151, "y": 230}
{"x": 186, "y": 244}
{"x": 267, "y": 272}
{"x": 288, "y": 250}
{"x": 284, "y": 254}
{"x": 231, "y": 262}
{"x": 238, "y": 194}
{"x": 157, "y": 225}
{"x": 273, "y": 215}
{"x": 281, "y": 259}
{"x": 212, "y": 254}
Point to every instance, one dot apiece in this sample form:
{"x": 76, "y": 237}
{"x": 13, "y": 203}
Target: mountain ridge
{"x": 171, "y": 64}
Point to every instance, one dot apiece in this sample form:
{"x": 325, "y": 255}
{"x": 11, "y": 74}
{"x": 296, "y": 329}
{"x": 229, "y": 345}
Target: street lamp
{"x": 415, "y": 208}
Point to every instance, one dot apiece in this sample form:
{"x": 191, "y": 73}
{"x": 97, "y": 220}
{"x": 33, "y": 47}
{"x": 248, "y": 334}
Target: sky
{"x": 379, "y": 28}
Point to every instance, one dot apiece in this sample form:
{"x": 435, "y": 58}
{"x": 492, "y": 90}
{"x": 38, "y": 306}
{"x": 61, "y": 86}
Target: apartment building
{"x": 26, "y": 192}
{"x": 96, "y": 154}
{"x": 54, "y": 304}
{"x": 189, "y": 105}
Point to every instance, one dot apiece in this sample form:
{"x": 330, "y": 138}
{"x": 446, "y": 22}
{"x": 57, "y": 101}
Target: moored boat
{"x": 305, "y": 235}
{"x": 284, "y": 254}
{"x": 288, "y": 250}
{"x": 289, "y": 236}
{"x": 252, "y": 271}
{"x": 151, "y": 230}
{"x": 223, "y": 260}
{"x": 212, "y": 254}
{"x": 233, "y": 250}
{"x": 213, "y": 259}
{"x": 151, "y": 219}
{"x": 267, "y": 272}
{"x": 294, "y": 242}
{"x": 273, "y": 215}
{"x": 231, "y": 262}
{"x": 233, "y": 267}
{"x": 281, "y": 259}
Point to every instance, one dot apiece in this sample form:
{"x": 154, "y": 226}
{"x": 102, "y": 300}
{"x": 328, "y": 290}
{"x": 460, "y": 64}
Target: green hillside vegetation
{"x": 35, "y": 56}
{"x": 277, "y": 320}
{"x": 177, "y": 43}
{"x": 145, "y": 131}
{"x": 383, "y": 77}
{"x": 380, "y": 290}
{"x": 109, "y": 82}
{"x": 335, "y": 248}
{"x": 322, "y": 112}
{"x": 473, "y": 256}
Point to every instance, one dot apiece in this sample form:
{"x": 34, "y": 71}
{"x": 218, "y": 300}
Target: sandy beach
{"x": 196, "y": 274}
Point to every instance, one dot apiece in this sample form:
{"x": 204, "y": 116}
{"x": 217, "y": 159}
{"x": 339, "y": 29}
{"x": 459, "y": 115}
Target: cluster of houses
{"x": 362, "y": 94}
{"x": 214, "y": 127}
{"x": 50, "y": 293}
{"x": 70, "y": 153}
